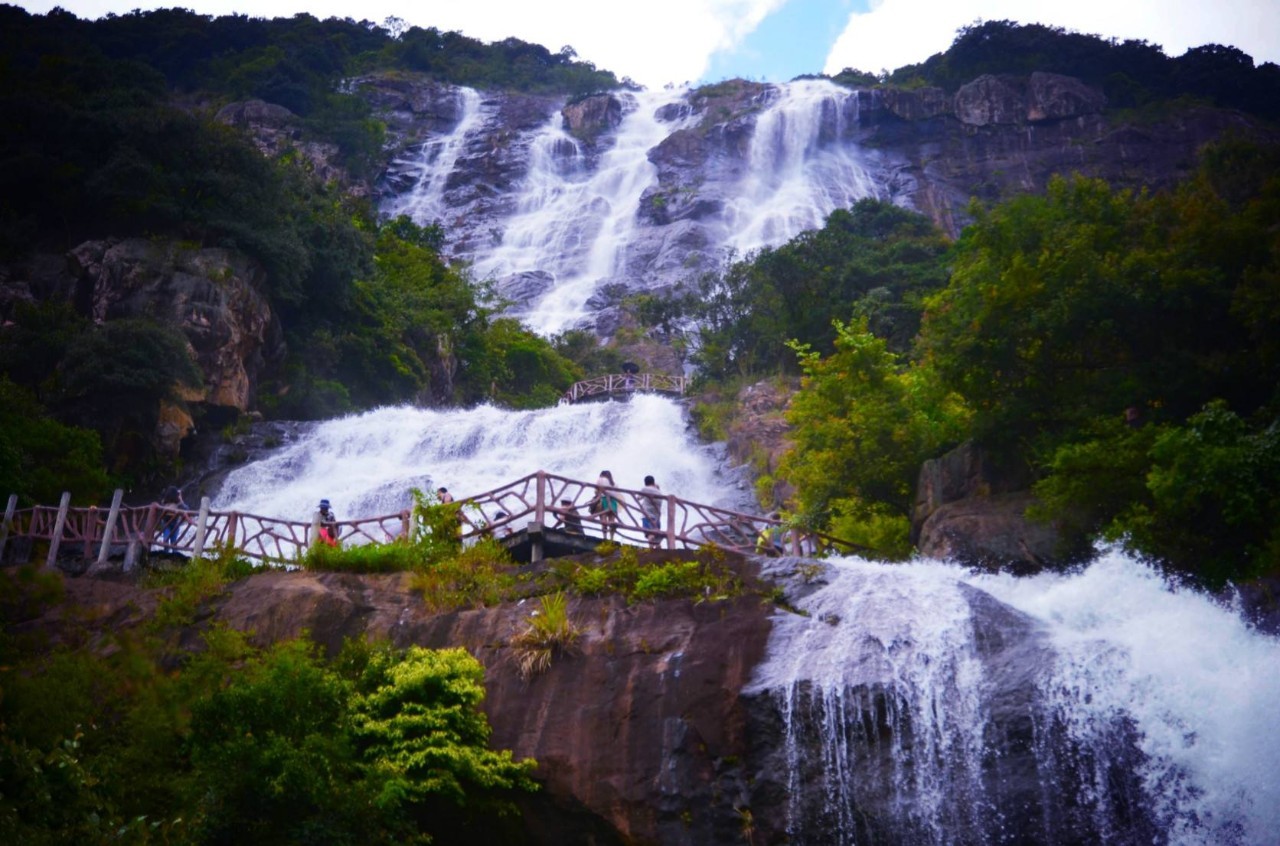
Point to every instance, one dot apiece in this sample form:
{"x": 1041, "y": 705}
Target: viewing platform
{"x": 624, "y": 385}
{"x": 530, "y": 516}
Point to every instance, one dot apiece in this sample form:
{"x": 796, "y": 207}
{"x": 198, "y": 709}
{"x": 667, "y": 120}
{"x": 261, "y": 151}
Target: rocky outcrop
{"x": 972, "y": 508}
{"x": 275, "y": 130}
{"x": 212, "y": 295}
{"x": 589, "y": 117}
{"x": 639, "y": 737}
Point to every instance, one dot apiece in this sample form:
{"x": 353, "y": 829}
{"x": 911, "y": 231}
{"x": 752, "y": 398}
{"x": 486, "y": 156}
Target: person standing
{"x": 651, "y": 498}
{"x": 605, "y": 506}
{"x": 444, "y": 494}
{"x": 328, "y": 524}
{"x": 174, "y": 505}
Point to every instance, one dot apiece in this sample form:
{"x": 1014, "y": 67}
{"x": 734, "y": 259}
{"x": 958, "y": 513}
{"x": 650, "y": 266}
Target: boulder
{"x": 590, "y": 117}
{"x": 992, "y": 100}
{"x": 971, "y": 507}
{"x": 1052, "y": 96}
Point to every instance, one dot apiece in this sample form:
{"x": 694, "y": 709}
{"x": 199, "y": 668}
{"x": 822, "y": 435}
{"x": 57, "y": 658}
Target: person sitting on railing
{"x": 174, "y": 505}
{"x": 328, "y": 524}
{"x": 605, "y": 505}
{"x": 567, "y": 518}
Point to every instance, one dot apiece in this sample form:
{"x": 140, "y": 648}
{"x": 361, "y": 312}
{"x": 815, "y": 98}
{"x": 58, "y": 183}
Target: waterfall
{"x": 573, "y": 223}
{"x": 923, "y": 703}
{"x": 366, "y": 464}
{"x": 568, "y": 223}
{"x": 800, "y": 167}
{"x": 425, "y": 202}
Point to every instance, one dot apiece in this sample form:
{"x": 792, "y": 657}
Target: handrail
{"x": 625, "y": 383}
{"x": 531, "y": 500}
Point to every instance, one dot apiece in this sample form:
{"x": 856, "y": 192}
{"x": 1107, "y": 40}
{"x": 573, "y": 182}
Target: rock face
{"x": 997, "y": 136}
{"x": 212, "y": 295}
{"x": 639, "y": 737}
{"x": 972, "y": 508}
{"x": 275, "y": 130}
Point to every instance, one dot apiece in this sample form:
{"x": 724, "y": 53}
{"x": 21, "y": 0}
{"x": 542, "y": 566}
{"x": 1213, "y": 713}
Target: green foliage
{"x": 1083, "y": 302}
{"x": 1067, "y": 312}
{"x": 622, "y": 573}
{"x": 132, "y": 742}
{"x": 480, "y": 575}
{"x": 192, "y": 584}
{"x": 126, "y": 360}
{"x": 1202, "y": 497}
{"x": 862, "y": 423}
{"x": 418, "y": 718}
{"x": 874, "y": 260}
{"x": 507, "y": 64}
{"x": 1130, "y": 72}
{"x": 40, "y": 457}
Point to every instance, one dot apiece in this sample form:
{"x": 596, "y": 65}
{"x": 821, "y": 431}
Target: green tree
{"x": 40, "y": 457}
{"x": 874, "y": 260}
{"x": 862, "y": 423}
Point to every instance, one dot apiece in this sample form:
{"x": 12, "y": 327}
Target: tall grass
{"x": 548, "y": 632}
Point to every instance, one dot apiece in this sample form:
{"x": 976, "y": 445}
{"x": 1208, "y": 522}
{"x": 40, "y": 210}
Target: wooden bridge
{"x": 527, "y": 511}
{"x": 624, "y": 385}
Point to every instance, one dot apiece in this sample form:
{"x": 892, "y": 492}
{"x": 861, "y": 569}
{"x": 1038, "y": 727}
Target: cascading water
{"x": 424, "y": 203}
{"x": 909, "y": 704}
{"x": 576, "y": 217}
{"x": 366, "y": 464}
{"x": 926, "y": 704}
{"x": 799, "y": 169}
{"x": 573, "y": 223}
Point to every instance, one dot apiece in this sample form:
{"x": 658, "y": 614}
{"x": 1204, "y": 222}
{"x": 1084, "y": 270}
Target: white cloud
{"x": 654, "y": 42}
{"x": 901, "y": 32}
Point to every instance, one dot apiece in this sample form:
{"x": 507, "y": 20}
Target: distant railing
{"x": 599, "y": 387}
{"x": 533, "y": 500}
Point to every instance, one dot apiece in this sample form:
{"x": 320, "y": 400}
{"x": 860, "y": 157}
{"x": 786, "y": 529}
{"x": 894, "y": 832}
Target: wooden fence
{"x": 535, "y": 500}
{"x": 623, "y": 384}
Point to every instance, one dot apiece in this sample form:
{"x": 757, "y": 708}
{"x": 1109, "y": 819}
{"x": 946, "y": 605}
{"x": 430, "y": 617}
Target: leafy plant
{"x": 548, "y": 632}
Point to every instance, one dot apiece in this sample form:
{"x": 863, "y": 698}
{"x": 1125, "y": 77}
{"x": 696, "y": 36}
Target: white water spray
{"x": 800, "y": 168}
{"x": 366, "y": 464}
{"x": 572, "y": 223}
{"x": 1108, "y": 658}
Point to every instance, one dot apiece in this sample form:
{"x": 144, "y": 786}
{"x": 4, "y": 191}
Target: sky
{"x": 658, "y": 42}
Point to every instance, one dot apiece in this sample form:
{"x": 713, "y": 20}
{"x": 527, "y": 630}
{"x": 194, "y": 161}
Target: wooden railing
{"x": 614, "y": 384}
{"x": 530, "y": 501}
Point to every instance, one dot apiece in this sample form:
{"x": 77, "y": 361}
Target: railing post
{"x": 145, "y": 531}
{"x": 202, "y": 526}
{"x": 8, "y": 522}
{"x": 671, "y": 522}
{"x": 540, "y": 506}
{"x": 104, "y": 552}
{"x": 314, "y": 538}
{"x": 56, "y": 540}
{"x": 405, "y": 526}
{"x": 90, "y": 530}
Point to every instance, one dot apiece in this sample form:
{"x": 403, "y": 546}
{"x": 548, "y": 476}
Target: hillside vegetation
{"x": 1119, "y": 346}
